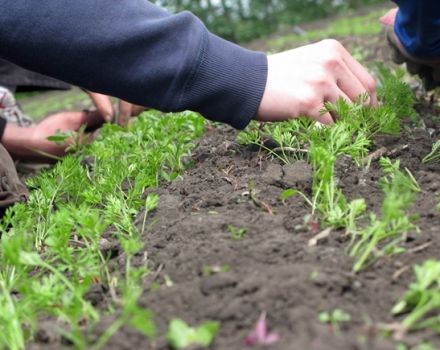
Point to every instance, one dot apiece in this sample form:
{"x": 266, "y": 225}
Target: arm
{"x": 142, "y": 54}
{"x": 135, "y": 51}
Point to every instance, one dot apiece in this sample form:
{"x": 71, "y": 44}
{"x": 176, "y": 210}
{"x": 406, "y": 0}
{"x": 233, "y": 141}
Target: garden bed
{"x": 273, "y": 269}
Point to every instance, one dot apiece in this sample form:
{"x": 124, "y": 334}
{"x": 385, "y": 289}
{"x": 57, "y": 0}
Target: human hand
{"x": 32, "y": 143}
{"x": 105, "y": 108}
{"x": 300, "y": 81}
{"x": 103, "y": 105}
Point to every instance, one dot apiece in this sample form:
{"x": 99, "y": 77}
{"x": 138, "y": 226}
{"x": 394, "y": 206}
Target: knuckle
{"x": 310, "y": 103}
{"x": 333, "y": 63}
{"x": 332, "y": 44}
{"x": 321, "y": 81}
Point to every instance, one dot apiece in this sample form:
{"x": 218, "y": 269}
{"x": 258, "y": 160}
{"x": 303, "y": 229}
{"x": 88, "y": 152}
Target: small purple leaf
{"x": 259, "y": 335}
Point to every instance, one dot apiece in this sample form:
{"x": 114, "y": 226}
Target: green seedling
{"x": 237, "y": 233}
{"x": 384, "y": 234}
{"x": 209, "y": 270}
{"x": 181, "y": 336}
{"x": 434, "y": 156}
{"x": 422, "y": 301}
{"x": 314, "y": 275}
{"x": 286, "y": 194}
{"x": 335, "y": 318}
{"x": 76, "y": 139}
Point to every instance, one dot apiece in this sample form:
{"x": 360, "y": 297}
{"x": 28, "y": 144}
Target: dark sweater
{"x": 136, "y": 51}
{"x": 418, "y": 27}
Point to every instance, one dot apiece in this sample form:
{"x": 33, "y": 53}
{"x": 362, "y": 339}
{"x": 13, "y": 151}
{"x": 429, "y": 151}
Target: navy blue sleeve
{"x": 418, "y": 27}
{"x": 136, "y": 51}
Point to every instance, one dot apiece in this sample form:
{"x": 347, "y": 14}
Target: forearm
{"x": 135, "y": 51}
{"x": 18, "y": 140}
{"x": 417, "y": 26}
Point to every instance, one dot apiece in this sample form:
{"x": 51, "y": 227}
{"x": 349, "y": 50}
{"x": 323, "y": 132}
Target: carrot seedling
{"x": 422, "y": 301}
{"x": 434, "y": 155}
{"x": 384, "y": 234}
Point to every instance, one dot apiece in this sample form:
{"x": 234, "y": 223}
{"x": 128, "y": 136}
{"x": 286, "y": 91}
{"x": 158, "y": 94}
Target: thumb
{"x": 389, "y": 18}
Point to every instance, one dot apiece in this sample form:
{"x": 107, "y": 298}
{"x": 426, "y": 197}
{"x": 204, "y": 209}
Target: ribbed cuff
{"x": 227, "y": 83}
{"x": 2, "y": 127}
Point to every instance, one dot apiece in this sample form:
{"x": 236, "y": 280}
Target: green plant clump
{"x": 434, "y": 155}
{"x": 52, "y": 249}
{"x": 351, "y": 136}
{"x": 400, "y": 189}
{"x": 335, "y": 318}
{"x": 422, "y": 301}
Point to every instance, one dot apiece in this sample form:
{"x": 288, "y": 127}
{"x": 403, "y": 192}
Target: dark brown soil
{"x": 273, "y": 269}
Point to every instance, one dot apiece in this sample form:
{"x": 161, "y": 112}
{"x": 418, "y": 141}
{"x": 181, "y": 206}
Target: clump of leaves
{"x": 181, "y": 336}
{"x": 434, "y": 155}
{"x": 335, "y": 318}
{"x": 395, "y": 93}
{"x": 400, "y": 189}
{"x": 422, "y": 301}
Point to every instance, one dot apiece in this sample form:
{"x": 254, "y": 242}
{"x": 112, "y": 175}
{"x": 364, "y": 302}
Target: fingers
{"x": 125, "y": 112}
{"x": 328, "y": 118}
{"x": 104, "y": 105}
{"x": 357, "y": 74}
{"x": 389, "y": 18}
{"x": 350, "y": 85}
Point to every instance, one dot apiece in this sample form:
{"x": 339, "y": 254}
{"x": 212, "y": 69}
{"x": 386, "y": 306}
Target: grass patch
{"x": 346, "y": 26}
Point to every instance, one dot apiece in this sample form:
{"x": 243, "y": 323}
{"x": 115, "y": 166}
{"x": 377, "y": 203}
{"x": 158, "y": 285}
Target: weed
{"x": 209, "y": 270}
{"x": 237, "y": 233}
{"x": 334, "y": 318}
{"x": 181, "y": 336}
{"x": 286, "y": 194}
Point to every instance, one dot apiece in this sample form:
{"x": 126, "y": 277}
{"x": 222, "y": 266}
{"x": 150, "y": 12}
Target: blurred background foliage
{"x": 244, "y": 20}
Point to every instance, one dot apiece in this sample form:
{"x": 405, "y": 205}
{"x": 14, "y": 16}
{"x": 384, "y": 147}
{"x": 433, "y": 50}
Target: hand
{"x": 32, "y": 143}
{"x": 427, "y": 69}
{"x": 300, "y": 81}
{"x": 103, "y": 105}
{"x": 105, "y": 109}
